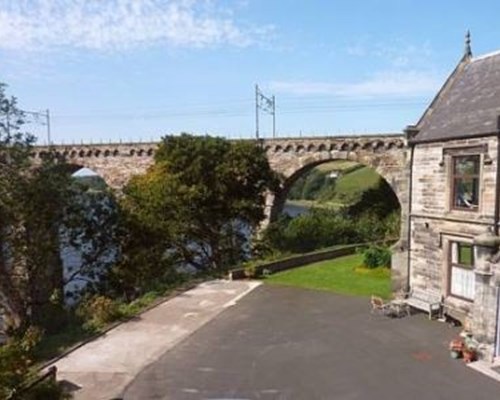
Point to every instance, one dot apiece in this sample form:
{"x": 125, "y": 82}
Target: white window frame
{"x": 461, "y": 282}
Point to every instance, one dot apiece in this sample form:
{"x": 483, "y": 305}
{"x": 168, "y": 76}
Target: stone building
{"x": 454, "y": 197}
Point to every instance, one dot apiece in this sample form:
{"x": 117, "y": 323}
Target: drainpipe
{"x": 410, "y": 189}
{"x": 410, "y": 133}
{"x": 497, "y": 196}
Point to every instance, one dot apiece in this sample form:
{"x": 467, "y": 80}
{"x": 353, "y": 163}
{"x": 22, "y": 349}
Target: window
{"x": 466, "y": 182}
{"x": 462, "y": 277}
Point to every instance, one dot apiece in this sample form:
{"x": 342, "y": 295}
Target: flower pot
{"x": 455, "y": 354}
{"x": 469, "y": 355}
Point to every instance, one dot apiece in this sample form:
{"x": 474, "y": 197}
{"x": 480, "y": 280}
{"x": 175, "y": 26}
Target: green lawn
{"x": 341, "y": 275}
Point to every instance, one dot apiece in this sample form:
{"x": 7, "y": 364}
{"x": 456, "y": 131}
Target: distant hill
{"x": 350, "y": 187}
{"x": 321, "y": 186}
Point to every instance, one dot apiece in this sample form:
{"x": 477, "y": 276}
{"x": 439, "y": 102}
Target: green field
{"x": 316, "y": 188}
{"x": 337, "y": 165}
{"x": 342, "y": 275}
{"x": 351, "y": 185}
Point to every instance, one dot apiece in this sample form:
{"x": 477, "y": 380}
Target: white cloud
{"x": 396, "y": 53}
{"x": 120, "y": 24}
{"x": 389, "y": 83}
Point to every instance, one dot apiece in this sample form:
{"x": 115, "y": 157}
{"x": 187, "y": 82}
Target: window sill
{"x": 456, "y": 297}
{"x": 465, "y": 209}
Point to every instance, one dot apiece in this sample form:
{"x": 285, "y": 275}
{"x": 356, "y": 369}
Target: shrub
{"x": 377, "y": 256}
{"x": 98, "y": 311}
{"x": 251, "y": 271}
{"x": 16, "y": 360}
{"x": 48, "y": 390}
{"x": 324, "y": 227}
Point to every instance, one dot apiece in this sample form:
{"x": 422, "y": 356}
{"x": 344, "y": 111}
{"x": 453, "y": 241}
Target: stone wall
{"x": 435, "y": 224}
{"x": 295, "y": 261}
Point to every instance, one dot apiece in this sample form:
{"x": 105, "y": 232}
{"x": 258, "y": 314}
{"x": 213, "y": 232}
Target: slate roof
{"x": 468, "y": 105}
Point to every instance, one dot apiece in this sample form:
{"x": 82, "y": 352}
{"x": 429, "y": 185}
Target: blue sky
{"x": 132, "y": 70}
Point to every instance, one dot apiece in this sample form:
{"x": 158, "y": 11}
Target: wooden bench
{"x": 426, "y": 300}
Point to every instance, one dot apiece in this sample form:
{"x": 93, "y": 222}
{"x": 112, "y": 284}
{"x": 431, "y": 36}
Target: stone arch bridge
{"x": 388, "y": 154}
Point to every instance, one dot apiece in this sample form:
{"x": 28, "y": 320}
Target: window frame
{"x": 456, "y": 177}
{"x": 457, "y": 264}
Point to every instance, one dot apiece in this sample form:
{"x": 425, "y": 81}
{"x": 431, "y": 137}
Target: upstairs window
{"x": 465, "y": 182}
{"x": 462, "y": 278}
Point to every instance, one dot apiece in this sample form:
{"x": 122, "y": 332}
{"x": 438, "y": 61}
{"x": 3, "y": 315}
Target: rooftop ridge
{"x": 487, "y": 55}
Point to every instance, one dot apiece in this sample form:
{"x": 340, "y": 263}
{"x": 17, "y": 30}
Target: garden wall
{"x": 293, "y": 261}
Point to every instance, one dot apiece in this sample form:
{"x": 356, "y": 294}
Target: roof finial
{"x": 468, "y": 49}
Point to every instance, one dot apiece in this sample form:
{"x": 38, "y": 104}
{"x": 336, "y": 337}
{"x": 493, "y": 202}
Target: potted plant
{"x": 457, "y": 348}
{"x": 470, "y": 349}
{"x": 469, "y": 354}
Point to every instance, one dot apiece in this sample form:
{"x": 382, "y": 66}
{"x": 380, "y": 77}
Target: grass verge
{"x": 341, "y": 275}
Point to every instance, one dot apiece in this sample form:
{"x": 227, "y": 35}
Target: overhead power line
{"x": 266, "y": 104}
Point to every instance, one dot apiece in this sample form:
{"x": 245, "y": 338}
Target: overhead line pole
{"x": 274, "y": 117}
{"x": 267, "y": 104}
{"x": 257, "y": 112}
{"x": 41, "y": 114}
{"x": 47, "y": 115}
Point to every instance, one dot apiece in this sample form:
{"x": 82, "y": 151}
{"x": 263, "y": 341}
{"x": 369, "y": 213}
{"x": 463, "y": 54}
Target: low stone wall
{"x": 293, "y": 262}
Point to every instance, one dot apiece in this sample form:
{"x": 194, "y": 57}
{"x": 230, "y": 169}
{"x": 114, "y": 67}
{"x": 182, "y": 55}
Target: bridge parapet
{"x": 330, "y": 143}
{"x": 117, "y": 162}
{"x": 82, "y": 151}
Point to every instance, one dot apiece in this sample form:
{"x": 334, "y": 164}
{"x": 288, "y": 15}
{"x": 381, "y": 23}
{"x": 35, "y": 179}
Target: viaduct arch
{"x": 388, "y": 154}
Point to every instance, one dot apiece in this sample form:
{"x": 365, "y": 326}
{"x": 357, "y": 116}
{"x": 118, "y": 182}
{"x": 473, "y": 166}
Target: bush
{"x": 16, "y": 360}
{"x": 377, "y": 256}
{"x": 48, "y": 390}
{"x": 98, "y": 311}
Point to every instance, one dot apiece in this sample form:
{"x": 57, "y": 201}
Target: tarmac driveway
{"x": 289, "y": 343}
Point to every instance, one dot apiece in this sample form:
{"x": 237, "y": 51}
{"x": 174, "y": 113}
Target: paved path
{"x": 288, "y": 343}
{"x": 104, "y": 367}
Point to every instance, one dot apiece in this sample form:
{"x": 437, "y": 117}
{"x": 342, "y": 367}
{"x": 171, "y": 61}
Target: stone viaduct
{"x": 388, "y": 154}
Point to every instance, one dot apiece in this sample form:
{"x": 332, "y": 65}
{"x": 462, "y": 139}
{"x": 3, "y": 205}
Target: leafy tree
{"x": 91, "y": 227}
{"x": 200, "y": 196}
{"x": 36, "y": 201}
{"x": 315, "y": 181}
{"x": 380, "y": 201}
{"x": 32, "y": 201}
{"x": 143, "y": 262}
{"x": 15, "y": 146}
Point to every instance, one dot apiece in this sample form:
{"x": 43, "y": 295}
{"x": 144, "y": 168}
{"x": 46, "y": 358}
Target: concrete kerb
{"x": 486, "y": 369}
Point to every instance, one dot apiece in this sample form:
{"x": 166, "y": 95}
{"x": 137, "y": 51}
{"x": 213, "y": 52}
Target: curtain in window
{"x": 462, "y": 282}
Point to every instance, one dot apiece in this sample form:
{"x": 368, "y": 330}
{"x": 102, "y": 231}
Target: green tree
{"x": 32, "y": 200}
{"x": 37, "y": 199}
{"x": 15, "y": 146}
{"x": 200, "y": 195}
{"x": 380, "y": 201}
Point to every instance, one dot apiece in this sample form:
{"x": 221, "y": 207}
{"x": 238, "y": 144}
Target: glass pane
{"x": 465, "y": 256}
{"x": 462, "y": 283}
{"x": 466, "y": 192}
{"x": 467, "y": 165}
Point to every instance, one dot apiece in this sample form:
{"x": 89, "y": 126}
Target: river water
{"x": 294, "y": 210}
